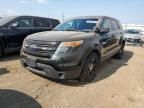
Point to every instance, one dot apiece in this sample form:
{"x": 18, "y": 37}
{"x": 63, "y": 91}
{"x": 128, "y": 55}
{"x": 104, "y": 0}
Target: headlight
{"x": 72, "y": 44}
{"x": 25, "y": 45}
{"x": 66, "y": 46}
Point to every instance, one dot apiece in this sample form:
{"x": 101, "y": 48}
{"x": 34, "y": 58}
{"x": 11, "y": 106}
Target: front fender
{"x": 95, "y": 49}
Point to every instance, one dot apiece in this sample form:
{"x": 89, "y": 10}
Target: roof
{"x": 4, "y": 20}
{"x": 35, "y": 16}
{"x": 13, "y": 17}
{"x": 93, "y": 17}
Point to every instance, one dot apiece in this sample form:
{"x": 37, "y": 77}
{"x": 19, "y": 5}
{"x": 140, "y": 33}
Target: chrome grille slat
{"x": 38, "y": 51}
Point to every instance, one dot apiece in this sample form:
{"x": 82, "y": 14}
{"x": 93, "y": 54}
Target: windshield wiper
{"x": 87, "y": 30}
{"x": 55, "y": 30}
{"x": 84, "y": 30}
{"x": 65, "y": 30}
{"x": 71, "y": 30}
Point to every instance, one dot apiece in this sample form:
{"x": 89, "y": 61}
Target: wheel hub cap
{"x": 91, "y": 65}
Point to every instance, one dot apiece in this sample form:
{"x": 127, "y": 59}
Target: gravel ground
{"x": 119, "y": 84}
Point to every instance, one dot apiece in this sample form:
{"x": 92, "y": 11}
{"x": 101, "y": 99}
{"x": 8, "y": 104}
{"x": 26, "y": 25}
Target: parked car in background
{"x": 75, "y": 48}
{"x": 14, "y": 29}
{"x": 142, "y": 39}
{"x": 133, "y": 35}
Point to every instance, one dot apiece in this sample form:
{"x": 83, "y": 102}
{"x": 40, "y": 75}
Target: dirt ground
{"x": 119, "y": 84}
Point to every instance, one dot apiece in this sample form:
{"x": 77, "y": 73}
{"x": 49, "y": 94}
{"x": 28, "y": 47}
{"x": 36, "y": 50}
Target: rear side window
{"x": 41, "y": 22}
{"x": 115, "y": 25}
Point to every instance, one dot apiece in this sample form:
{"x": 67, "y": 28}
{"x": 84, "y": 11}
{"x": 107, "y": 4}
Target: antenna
{"x": 63, "y": 16}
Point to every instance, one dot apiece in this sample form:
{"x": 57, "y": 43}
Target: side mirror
{"x": 102, "y": 30}
{"x": 97, "y": 29}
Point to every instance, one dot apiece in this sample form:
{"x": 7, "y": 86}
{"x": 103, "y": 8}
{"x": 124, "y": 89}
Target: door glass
{"x": 115, "y": 25}
{"x": 40, "y": 22}
{"x": 106, "y": 24}
{"x": 24, "y": 22}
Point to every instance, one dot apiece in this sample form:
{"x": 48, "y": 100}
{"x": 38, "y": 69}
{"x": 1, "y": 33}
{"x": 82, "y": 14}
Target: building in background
{"x": 133, "y": 26}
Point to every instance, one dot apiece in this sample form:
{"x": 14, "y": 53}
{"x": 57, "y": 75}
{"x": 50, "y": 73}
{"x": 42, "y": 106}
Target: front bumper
{"x": 132, "y": 40}
{"x": 52, "y": 69}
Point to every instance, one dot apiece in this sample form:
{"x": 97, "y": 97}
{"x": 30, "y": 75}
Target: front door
{"x": 107, "y": 38}
{"x": 17, "y": 31}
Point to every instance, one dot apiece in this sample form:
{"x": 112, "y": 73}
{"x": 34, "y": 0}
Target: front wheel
{"x": 89, "y": 68}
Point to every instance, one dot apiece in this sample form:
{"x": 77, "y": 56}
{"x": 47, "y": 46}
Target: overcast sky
{"x": 128, "y": 11}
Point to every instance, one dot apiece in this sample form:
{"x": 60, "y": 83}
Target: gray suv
{"x": 75, "y": 48}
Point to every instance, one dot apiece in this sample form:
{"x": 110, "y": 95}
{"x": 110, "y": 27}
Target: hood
{"x": 60, "y": 36}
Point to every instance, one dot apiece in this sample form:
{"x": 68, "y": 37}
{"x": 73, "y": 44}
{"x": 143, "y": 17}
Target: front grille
{"x": 45, "y": 49}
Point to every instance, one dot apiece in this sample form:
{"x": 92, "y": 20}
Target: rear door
{"x": 18, "y": 30}
{"x": 41, "y": 24}
{"x": 107, "y": 39}
{"x": 117, "y": 33}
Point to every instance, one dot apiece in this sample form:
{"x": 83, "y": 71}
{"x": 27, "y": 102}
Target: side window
{"x": 41, "y": 22}
{"x": 106, "y": 24}
{"x": 24, "y": 22}
{"x": 115, "y": 25}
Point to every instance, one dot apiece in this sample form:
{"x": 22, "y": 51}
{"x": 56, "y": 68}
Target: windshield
{"x": 78, "y": 25}
{"x": 5, "y": 20}
{"x": 132, "y": 31}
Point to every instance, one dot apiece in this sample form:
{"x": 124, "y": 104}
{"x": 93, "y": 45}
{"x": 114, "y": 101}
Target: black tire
{"x": 90, "y": 68}
{"x": 120, "y": 54}
{"x": 1, "y": 51}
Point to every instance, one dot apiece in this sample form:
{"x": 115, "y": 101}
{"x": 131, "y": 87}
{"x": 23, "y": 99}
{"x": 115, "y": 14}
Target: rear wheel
{"x": 120, "y": 54}
{"x": 90, "y": 68}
